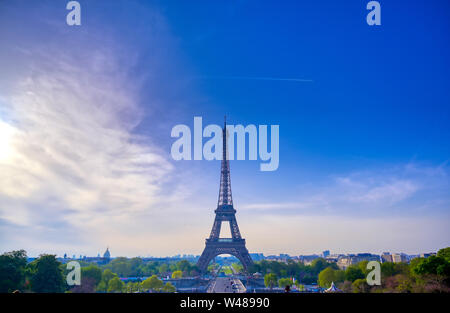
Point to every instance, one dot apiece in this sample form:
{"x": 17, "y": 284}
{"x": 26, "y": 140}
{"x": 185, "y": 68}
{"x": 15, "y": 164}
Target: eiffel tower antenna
{"x": 225, "y": 212}
{"x": 225, "y": 196}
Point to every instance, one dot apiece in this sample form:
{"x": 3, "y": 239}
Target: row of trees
{"x": 307, "y": 274}
{"x": 44, "y": 274}
{"x": 430, "y": 274}
{"x": 47, "y": 274}
{"x": 271, "y": 280}
{"x": 94, "y": 280}
{"x": 135, "y": 267}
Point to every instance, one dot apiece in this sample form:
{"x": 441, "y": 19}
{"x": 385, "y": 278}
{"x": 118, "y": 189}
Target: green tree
{"x": 270, "y": 280}
{"x": 412, "y": 264}
{"x": 353, "y": 273}
{"x": 339, "y": 276}
{"x": 319, "y": 265}
{"x": 360, "y": 285}
{"x": 47, "y": 274}
{"x": 405, "y": 284}
{"x": 283, "y": 282}
{"x": 116, "y": 285}
{"x": 90, "y": 278}
{"x": 388, "y": 269}
{"x": 92, "y": 271}
{"x": 132, "y": 287}
{"x": 444, "y": 253}
{"x": 168, "y": 287}
{"x": 326, "y": 277}
{"x": 121, "y": 266}
{"x": 152, "y": 283}
{"x": 107, "y": 275}
{"x": 363, "y": 267}
{"x": 300, "y": 286}
{"x": 164, "y": 268}
{"x": 431, "y": 265}
{"x": 238, "y": 268}
{"x": 184, "y": 266}
{"x": 12, "y": 270}
{"x": 177, "y": 274}
{"x": 135, "y": 267}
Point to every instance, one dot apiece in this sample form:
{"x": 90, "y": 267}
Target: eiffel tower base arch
{"x": 214, "y": 248}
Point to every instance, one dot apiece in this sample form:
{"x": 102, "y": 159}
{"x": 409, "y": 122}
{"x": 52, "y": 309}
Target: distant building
{"x": 257, "y": 256}
{"x": 332, "y": 259}
{"x": 386, "y": 257}
{"x": 412, "y": 256}
{"x": 326, "y": 253}
{"x": 308, "y": 259}
{"x": 399, "y": 258}
{"x": 351, "y": 259}
{"x": 107, "y": 254}
{"x": 344, "y": 262}
{"x": 426, "y": 255}
{"x": 98, "y": 260}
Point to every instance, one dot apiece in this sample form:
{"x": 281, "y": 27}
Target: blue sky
{"x": 88, "y": 112}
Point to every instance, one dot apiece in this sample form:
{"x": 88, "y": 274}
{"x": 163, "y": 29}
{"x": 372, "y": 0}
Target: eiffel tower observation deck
{"x": 225, "y": 212}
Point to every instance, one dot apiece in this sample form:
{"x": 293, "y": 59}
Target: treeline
{"x": 94, "y": 280}
{"x": 136, "y": 267}
{"x": 430, "y": 274}
{"x": 306, "y": 274}
{"x": 47, "y": 274}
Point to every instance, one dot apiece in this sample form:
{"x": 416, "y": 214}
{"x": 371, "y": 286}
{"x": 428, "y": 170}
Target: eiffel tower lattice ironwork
{"x": 225, "y": 212}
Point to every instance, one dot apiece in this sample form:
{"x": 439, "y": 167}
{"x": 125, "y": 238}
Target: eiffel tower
{"x": 225, "y": 213}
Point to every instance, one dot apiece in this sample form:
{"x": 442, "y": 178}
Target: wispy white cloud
{"x": 391, "y": 192}
{"x": 402, "y": 190}
{"x": 75, "y": 174}
{"x": 74, "y": 145}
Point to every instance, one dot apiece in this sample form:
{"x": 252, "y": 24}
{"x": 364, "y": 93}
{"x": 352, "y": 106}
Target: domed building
{"x": 107, "y": 255}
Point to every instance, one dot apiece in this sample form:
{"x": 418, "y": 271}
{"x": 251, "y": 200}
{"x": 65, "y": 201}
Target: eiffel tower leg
{"x": 235, "y": 233}
{"x": 204, "y": 259}
{"x": 245, "y": 258}
{"x": 215, "y": 231}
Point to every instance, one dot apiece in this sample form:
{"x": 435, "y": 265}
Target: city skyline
{"x": 86, "y": 114}
{"x": 78, "y": 256}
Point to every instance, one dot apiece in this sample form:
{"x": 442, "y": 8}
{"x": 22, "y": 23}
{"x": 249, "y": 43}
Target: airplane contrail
{"x": 300, "y": 80}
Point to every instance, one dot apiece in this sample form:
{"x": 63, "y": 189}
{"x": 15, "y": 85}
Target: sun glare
{"x": 6, "y": 135}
